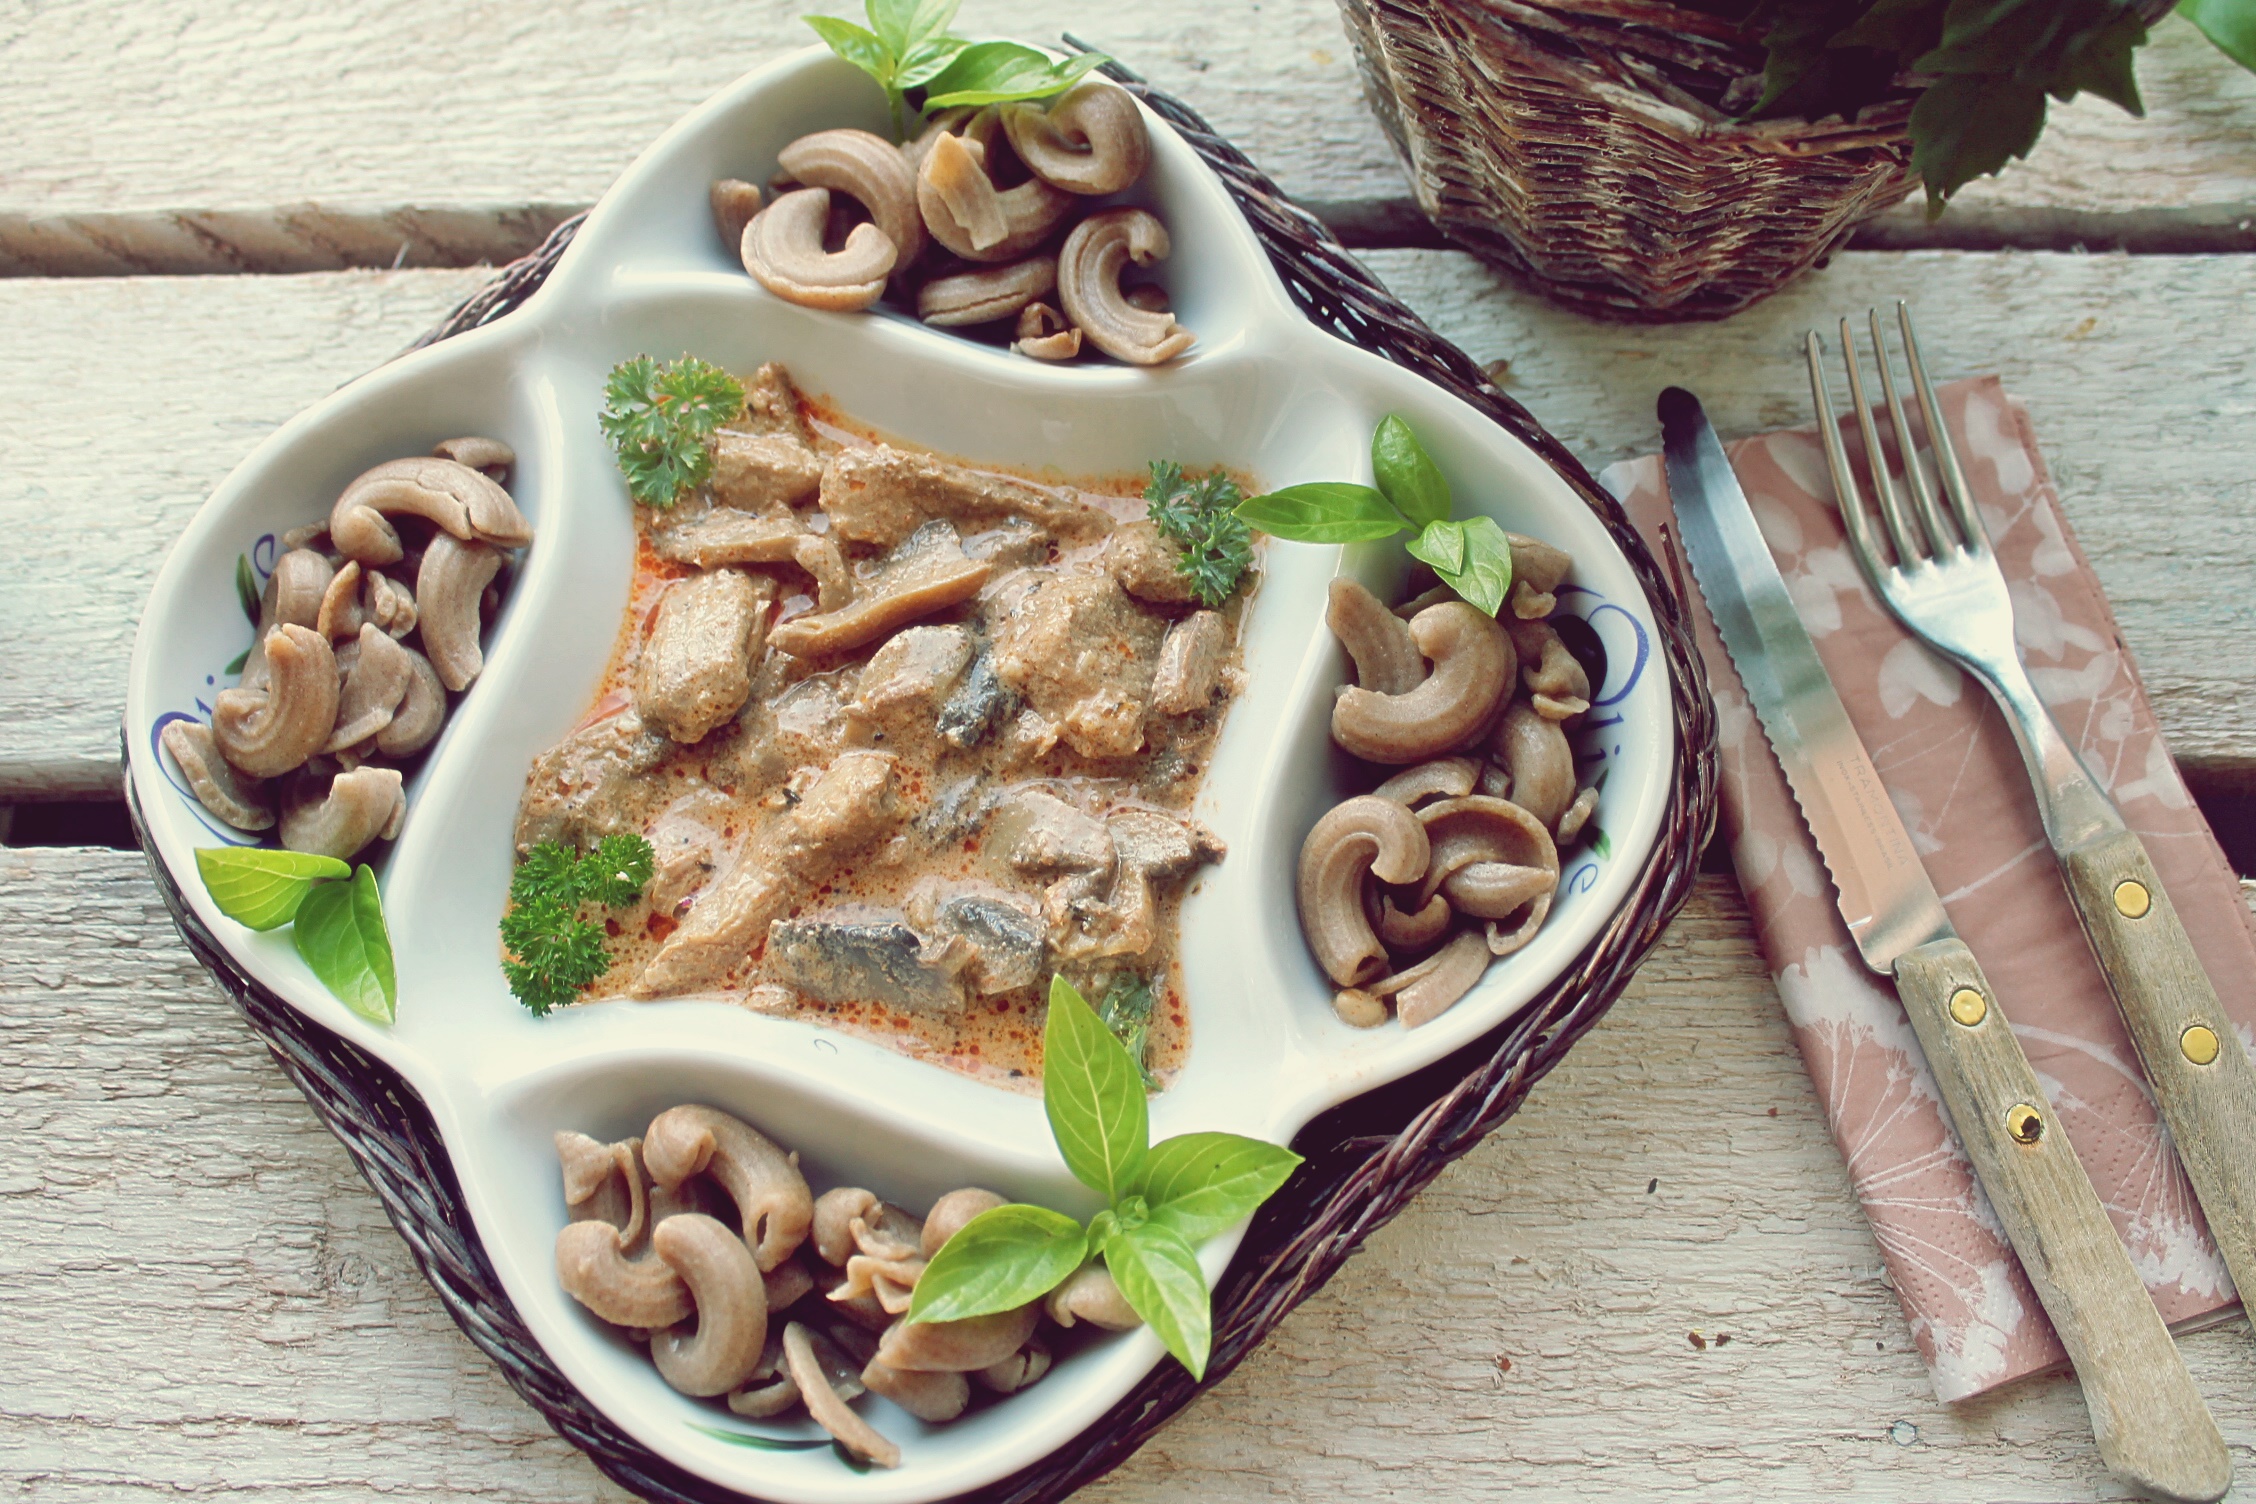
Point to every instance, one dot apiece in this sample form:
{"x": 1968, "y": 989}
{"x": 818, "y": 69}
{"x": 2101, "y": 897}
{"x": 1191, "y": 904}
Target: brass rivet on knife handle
{"x": 2204, "y": 1084}
{"x": 1969, "y": 1007}
{"x": 2152, "y": 1427}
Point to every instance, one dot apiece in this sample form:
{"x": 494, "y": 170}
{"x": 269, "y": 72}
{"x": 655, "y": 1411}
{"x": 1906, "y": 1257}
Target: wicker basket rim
{"x": 1366, "y": 1159}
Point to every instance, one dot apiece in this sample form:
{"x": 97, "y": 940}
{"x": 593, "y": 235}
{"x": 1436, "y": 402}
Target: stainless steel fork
{"x": 1939, "y": 577}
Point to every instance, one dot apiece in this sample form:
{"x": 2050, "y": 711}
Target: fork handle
{"x": 2147, "y": 1416}
{"x": 2203, "y": 1081}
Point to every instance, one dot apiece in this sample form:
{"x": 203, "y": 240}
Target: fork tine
{"x": 1946, "y": 453}
{"x": 1847, "y": 493}
{"x": 1876, "y": 458}
{"x": 1940, "y": 538}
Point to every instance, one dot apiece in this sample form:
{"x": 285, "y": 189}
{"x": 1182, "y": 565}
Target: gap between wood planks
{"x": 316, "y": 237}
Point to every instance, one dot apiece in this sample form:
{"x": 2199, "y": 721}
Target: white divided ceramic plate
{"x": 1263, "y": 391}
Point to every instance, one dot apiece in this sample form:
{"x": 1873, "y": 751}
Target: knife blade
{"x": 2151, "y": 1425}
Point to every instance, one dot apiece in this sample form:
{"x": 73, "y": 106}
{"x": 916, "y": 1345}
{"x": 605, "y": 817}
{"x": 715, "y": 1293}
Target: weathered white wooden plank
{"x": 200, "y": 1297}
{"x": 222, "y": 107}
{"x": 284, "y": 136}
{"x": 2138, "y": 370}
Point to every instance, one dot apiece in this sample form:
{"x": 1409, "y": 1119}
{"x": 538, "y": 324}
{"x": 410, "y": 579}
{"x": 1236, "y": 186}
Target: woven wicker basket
{"x": 1588, "y": 147}
{"x": 1366, "y": 1159}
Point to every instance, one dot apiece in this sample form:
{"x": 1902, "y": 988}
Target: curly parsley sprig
{"x": 552, "y": 954}
{"x": 660, "y": 419}
{"x": 1201, "y": 517}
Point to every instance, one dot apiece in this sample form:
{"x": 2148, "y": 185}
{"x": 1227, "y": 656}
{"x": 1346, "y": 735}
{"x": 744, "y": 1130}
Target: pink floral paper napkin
{"x": 1951, "y": 767}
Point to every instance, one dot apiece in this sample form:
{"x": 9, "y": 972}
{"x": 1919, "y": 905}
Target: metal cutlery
{"x": 2152, "y": 1428}
{"x": 1944, "y": 585}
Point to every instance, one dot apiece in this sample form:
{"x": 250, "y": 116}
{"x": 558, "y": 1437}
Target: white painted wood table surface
{"x": 1652, "y": 1280}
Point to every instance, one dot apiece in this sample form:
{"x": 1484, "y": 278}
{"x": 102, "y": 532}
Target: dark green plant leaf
{"x": 1094, "y": 1096}
{"x": 1160, "y": 1277}
{"x": 341, "y": 937}
{"x": 1323, "y": 511}
{"x": 1905, "y": 28}
{"x": 262, "y": 889}
{"x": 857, "y": 44}
{"x": 1807, "y": 74}
{"x": 1407, "y": 475}
{"x": 1966, "y": 125}
{"x": 1484, "y": 577}
{"x": 1441, "y": 544}
{"x": 235, "y": 664}
{"x": 2104, "y": 66}
{"x": 998, "y": 72}
{"x": 247, "y": 588}
{"x": 2229, "y": 24}
{"x": 762, "y": 1443}
{"x": 998, "y": 1261}
{"x": 1200, "y": 1184}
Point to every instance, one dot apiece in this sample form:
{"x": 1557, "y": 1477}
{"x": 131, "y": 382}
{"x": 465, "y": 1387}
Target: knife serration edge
{"x": 1880, "y": 885}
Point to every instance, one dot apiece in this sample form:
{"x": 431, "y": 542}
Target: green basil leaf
{"x": 857, "y": 44}
{"x": 2230, "y": 24}
{"x": 1441, "y": 544}
{"x": 998, "y": 72}
{"x": 998, "y": 1261}
{"x": 247, "y": 588}
{"x": 889, "y": 20}
{"x": 1094, "y": 1096}
{"x": 1200, "y": 1184}
{"x": 341, "y": 937}
{"x": 1407, "y": 474}
{"x": 1323, "y": 511}
{"x": 262, "y": 889}
{"x": 1486, "y": 575}
{"x": 924, "y": 64}
{"x": 1160, "y": 1277}
{"x": 929, "y": 21}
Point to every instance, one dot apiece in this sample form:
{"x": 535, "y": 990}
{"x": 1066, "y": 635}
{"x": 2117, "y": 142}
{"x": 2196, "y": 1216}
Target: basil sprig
{"x": 1161, "y": 1199}
{"x": 336, "y": 914}
{"x": 1472, "y": 555}
{"x": 907, "y": 45}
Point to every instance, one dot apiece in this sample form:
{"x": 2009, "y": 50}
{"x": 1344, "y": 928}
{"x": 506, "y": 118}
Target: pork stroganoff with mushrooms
{"x": 905, "y": 739}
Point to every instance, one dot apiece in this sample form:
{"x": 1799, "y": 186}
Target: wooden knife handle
{"x": 2201, "y": 1075}
{"x": 2152, "y": 1427}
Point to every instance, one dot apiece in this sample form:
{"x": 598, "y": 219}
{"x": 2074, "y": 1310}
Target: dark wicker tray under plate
{"x": 1365, "y": 1159}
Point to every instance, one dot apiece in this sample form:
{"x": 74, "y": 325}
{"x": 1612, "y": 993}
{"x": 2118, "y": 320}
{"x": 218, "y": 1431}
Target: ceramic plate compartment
{"x": 1263, "y": 391}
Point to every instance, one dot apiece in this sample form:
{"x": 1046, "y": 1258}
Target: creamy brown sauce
{"x": 960, "y": 822}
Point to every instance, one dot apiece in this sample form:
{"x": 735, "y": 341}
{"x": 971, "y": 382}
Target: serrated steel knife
{"x": 2152, "y": 1427}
